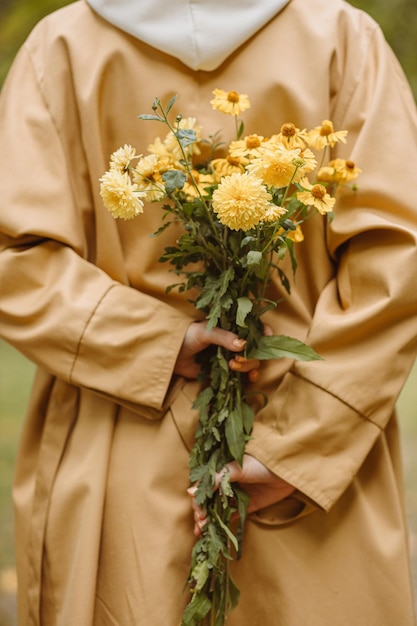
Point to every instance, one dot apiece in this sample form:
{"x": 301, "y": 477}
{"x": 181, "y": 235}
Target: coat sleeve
{"x": 58, "y": 308}
{"x": 325, "y": 417}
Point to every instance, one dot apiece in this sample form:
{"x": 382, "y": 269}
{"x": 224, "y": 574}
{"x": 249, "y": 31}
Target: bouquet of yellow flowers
{"x": 241, "y": 214}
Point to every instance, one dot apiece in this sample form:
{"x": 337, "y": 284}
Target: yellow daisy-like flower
{"x": 252, "y": 146}
{"x": 229, "y": 102}
{"x": 291, "y": 137}
{"x": 277, "y": 167}
{"x": 148, "y": 179}
{"x": 120, "y": 196}
{"x": 305, "y": 163}
{"x": 339, "y": 171}
{"x": 295, "y": 235}
{"x": 171, "y": 142}
{"x": 325, "y": 135}
{"x": 202, "y": 180}
{"x": 121, "y": 159}
{"x": 227, "y": 166}
{"x": 317, "y": 196}
{"x": 241, "y": 201}
{"x": 273, "y": 213}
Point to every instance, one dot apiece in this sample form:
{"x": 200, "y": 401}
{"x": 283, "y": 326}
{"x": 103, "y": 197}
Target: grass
{"x": 16, "y": 374}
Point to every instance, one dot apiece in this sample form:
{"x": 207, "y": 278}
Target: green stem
{"x": 323, "y": 154}
{"x": 237, "y": 126}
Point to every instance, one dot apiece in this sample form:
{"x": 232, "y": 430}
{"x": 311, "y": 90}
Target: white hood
{"x": 201, "y": 33}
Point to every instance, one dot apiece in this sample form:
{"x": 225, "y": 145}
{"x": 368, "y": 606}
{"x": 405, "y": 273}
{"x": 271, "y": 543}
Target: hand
{"x": 198, "y": 337}
{"x": 263, "y": 487}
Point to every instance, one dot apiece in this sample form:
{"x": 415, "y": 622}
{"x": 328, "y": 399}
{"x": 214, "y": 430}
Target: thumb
{"x": 225, "y": 338}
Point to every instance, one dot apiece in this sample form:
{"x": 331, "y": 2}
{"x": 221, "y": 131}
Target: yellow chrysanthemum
{"x": 121, "y": 159}
{"x": 120, "y": 196}
{"x": 291, "y": 137}
{"x": 148, "y": 179}
{"x": 241, "y": 201}
{"x": 227, "y": 166}
{"x": 252, "y": 146}
{"x": 317, "y": 196}
{"x": 229, "y": 102}
{"x": 339, "y": 171}
{"x": 276, "y": 167}
{"x": 146, "y": 168}
{"x": 159, "y": 148}
{"x": 325, "y": 135}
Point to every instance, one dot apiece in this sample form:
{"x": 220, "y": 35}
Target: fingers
{"x": 240, "y": 363}
{"x": 231, "y": 342}
{"x": 200, "y": 517}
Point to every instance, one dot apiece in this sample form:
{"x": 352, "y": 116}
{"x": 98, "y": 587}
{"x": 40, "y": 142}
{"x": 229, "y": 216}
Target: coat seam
{"x": 358, "y": 82}
{"x": 337, "y": 397}
{"x": 86, "y": 326}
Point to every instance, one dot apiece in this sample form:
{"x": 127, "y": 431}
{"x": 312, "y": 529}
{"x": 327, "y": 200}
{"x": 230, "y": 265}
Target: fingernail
{"x": 191, "y": 490}
{"x": 239, "y": 343}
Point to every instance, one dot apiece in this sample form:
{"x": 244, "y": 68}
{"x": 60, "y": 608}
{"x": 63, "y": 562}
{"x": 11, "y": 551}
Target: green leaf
{"x": 241, "y": 128}
{"x": 170, "y": 104}
{"x": 284, "y": 280}
{"x": 161, "y": 229}
{"x": 200, "y": 574}
{"x": 197, "y": 473}
{"x": 205, "y": 487}
{"x": 148, "y": 116}
{"x": 242, "y": 501}
{"x": 290, "y": 246}
{"x": 186, "y": 136}
{"x": 211, "y": 296}
{"x": 280, "y": 346}
{"x": 234, "y": 594}
{"x": 227, "y": 530}
{"x": 215, "y": 542}
{"x": 244, "y": 306}
{"x": 248, "y": 415}
{"x": 225, "y": 486}
{"x": 196, "y": 609}
{"x": 174, "y": 179}
{"x": 246, "y": 240}
{"x": 254, "y": 257}
{"x": 203, "y": 400}
{"x": 208, "y": 293}
{"x": 235, "y": 436}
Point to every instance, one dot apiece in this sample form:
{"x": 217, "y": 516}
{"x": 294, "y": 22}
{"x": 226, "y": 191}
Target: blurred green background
{"x": 398, "y": 19}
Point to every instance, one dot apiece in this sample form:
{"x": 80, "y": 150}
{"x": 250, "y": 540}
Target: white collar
{"x": 201, "y": 33}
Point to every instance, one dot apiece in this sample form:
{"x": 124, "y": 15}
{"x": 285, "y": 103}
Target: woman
{"x": 104, "y": 524}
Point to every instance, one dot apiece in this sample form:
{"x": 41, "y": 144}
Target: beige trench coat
{"x": 103, "y": 521}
